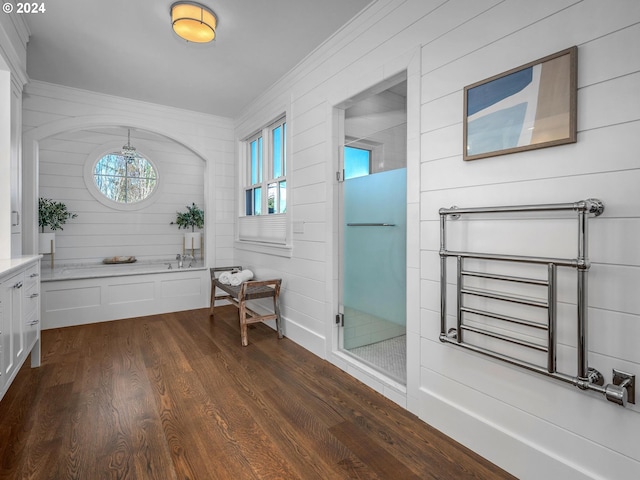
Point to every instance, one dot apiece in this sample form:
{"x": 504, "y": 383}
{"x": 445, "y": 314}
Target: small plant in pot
{"x": 53, "y": 215}
{"x": 193, "y": 218}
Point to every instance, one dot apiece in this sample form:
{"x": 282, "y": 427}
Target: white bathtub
{"x": 89, "y": 293}
{"x": 95, "y": 270}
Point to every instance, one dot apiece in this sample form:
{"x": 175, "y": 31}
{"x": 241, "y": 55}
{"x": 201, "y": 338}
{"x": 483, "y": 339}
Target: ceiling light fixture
{"x": 193, "y": 22}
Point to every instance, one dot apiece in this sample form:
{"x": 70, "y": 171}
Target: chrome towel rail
{"x": 591, "y": 205}
{"x": 586, "y": 378}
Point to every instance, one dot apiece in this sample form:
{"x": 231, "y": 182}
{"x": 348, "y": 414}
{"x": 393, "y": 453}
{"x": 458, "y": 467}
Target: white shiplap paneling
{"x": 527, "y": 417}
{"x": 195, "y": 152}
{"x": 100, "y": 231}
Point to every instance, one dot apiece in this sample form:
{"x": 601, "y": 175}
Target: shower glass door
{"x": 373, "y": 223}
{"x": 374, "y": 267}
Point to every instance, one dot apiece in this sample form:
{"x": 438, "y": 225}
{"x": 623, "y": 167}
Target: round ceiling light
{"x": 193, "y": 22}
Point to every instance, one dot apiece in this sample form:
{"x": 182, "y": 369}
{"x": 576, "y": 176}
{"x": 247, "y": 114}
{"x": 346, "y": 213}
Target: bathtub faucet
{"x": 182, "y": 258}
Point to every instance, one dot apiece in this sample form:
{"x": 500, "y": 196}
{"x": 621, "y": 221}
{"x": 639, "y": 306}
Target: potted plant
{"x": 54, "y": 215}
{"x": 193, "y": 218}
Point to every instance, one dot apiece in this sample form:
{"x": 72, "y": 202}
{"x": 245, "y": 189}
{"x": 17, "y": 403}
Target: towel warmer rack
{"x": 623, "y": 387}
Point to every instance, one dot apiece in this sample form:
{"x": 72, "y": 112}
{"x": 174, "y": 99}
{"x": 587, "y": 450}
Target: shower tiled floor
{"x": 389, "y": 356}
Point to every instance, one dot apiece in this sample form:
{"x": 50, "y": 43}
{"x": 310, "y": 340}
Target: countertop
{"x": 9, "y": 265}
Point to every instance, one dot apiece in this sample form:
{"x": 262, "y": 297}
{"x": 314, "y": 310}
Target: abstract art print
{"x": 532, "y": 106}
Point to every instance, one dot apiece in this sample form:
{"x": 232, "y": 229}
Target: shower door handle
{"x": 371, "y": 224}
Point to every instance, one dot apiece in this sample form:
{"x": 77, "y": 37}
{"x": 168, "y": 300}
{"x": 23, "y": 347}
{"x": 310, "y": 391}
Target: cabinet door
{"x": 31, "y": 306}
{"x": 7, "y": 327}
{"x": 13, "y": 329}
{"x": 3, "y": 336}
{"x": 17, "y": 319}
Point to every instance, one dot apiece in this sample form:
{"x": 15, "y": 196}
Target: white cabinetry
{"x": 31, "y": 299}
{"x": 12, "y": 336}
{"x": 6, "y": 357}
{"x": 19, "y": 317}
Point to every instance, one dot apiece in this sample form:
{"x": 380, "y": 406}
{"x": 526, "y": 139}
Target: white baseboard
{"x": 512, "y": 452}
{"x": 304, "y": 337}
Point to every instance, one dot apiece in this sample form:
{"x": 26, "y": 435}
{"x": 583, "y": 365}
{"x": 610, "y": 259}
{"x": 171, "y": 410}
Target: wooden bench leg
{"x": 213, "y": 300}
{"x": 243, "y": 324}
{"x": 276, "y": 310}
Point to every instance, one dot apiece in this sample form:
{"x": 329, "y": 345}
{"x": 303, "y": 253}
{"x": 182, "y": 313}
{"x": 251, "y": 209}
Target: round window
{"x": 121, "y": 178}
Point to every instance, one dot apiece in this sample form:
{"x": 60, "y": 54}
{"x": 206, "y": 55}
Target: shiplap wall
{"x": 532, "y": 426}
{"x": 193, "y": 151}
{"x": 100, "y": 231}
{"x": 13, "y": 76}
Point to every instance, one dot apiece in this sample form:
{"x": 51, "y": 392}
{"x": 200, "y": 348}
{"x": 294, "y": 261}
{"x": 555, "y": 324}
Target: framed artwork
{"x": 528, "y": 107}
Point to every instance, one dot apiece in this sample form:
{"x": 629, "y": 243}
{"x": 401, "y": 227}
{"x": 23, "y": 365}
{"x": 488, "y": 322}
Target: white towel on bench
{"x": 236, "y": 279}
{"x": 225, "y": 277}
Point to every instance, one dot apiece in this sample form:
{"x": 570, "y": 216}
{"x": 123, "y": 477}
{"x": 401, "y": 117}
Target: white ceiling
{"x": 127, "y": 48}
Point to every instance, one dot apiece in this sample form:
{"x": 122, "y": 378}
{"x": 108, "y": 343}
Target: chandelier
{"x": 128, "y": 150}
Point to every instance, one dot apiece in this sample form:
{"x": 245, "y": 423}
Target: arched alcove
{"x": 97, "y": 129}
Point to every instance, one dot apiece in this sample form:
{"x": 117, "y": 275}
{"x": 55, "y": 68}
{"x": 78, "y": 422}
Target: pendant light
{"x": 128, "y": 150}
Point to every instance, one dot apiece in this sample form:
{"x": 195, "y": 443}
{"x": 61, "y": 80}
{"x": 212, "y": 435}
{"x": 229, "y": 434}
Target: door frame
{"x": 408, "y": 66}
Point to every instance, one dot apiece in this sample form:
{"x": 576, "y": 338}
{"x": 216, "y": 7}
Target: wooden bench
{"x": 240, "y": 294}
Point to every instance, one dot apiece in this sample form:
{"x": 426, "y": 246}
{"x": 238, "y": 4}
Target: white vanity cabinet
{"x": 31, "y": 299}
{"x": 19, "y": 316}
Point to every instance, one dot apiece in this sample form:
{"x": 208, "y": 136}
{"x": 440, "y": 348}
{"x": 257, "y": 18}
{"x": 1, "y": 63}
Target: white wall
{"x": 5, "y": 163}
{"x": 533, "y": 426}
{"x": 13, "y": 50}
{"x": 100, "y": 231}
{"x": 195, "y": 156}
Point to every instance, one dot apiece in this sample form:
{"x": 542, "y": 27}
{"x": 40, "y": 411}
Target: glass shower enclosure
{"x": 374, "y": 221}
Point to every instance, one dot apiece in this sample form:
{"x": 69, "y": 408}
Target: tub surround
{"x": 76, "y": 271}
{"x": 77, "y": 294}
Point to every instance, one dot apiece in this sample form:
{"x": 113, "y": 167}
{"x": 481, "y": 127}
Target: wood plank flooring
{"x": 175, "y": 396}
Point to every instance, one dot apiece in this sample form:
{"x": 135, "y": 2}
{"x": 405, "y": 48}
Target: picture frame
{"x": 528, "y": 107}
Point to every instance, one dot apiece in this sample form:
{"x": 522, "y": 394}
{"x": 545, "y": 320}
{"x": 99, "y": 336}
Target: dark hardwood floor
{"x": 175, "y": 396}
